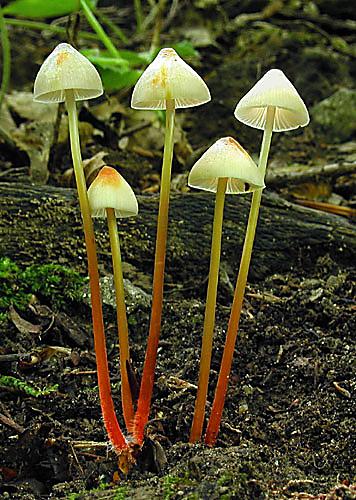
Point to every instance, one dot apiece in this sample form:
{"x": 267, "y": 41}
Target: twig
{"x": 156, "y": 36}
{"x": 9, "y": 422}
{"x": 276, "y": 179}
{"x": 242, "y": 19}
{"x": 171, "y": 14}
{"x": 135, "y": 128}
{"x": 76, "y": 459}
{"x": 327, "y": 207}
{"x": 138, "y": 15}
{"x": 312, "y": 26}
{"x": 322, "y": 19}
{"x": 114, "y": 28}
{"x": 14, "y": 173}
{"x": 6, "y": 358}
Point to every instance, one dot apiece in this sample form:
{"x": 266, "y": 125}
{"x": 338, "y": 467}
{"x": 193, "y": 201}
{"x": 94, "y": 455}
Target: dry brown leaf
{"x": 23, "y": 325}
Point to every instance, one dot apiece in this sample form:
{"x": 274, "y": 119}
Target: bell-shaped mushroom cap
{"x": 169, "y": 77}
{"x": 226, "y": 158}
{"x": 274, "y": 89}
{"x": 66, "y": 69}
{"x": 110, "y": 190}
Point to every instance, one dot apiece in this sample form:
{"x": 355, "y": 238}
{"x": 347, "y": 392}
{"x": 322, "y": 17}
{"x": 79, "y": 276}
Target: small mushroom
{"x": 111, "y": 196}
{"x": 273, "y": 90}
{"x": 67, "y": 76}
{"x": 168, "y": 77}
{"x": 273, "y": 104}
{"x": 168, "y": 83}
{"x": 66, "y": 72}
{"x": 224, "y": 168}
{"x": 226, "y": 158}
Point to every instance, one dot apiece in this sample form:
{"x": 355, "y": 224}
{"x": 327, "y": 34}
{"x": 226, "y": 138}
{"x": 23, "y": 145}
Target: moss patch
{"x": 55, "y": 284}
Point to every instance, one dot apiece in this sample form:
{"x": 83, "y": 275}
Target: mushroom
{"x": 67, "y": 76}
{"x": 111, "y": 196}
{"x": 168, "y": 83}
{"x": 273, "y": 104}
{"x": 224, "y": 168}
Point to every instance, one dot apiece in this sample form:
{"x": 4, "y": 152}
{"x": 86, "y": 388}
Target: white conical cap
{"x": 169, "y": 77}
{"x": 110, "y": 190}
{"x": 66, "y": 69}
{"x": 226, "y": 158}
{"x": 274, "y": 89}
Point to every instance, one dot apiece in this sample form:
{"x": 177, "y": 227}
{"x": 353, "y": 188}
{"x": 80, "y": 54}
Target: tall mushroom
{"x": 224, "y": 168}
{"x": 111, "y": 196}
{"x": 67, "y": 76}
{"x": 167, "y": 83}
{"x": 273, "y": 104}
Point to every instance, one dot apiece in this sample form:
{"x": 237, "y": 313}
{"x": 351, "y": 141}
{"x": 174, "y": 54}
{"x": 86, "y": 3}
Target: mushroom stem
{"x": 144, "y": 400}
{"x": 231, "y": 335}
{"x": 126, "y": 397}
{"x": 209, "y": 319}
{"x": 107, "y": 406}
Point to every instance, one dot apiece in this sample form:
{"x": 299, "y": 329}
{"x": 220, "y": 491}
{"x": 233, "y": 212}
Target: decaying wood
{"x": 42, "y": 224}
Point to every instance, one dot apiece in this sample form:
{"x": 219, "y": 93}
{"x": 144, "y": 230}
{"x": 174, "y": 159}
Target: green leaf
{"x": 185, "y": 49}
{"x": 108, "y": 62}
{"x": 37, "y": 9}
{"x": 136, "y": 58}
{"x": 116, "y": 80}
{"x": 103, "y": 59}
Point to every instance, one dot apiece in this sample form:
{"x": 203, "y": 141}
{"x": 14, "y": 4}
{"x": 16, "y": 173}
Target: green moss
{"x": 52, "y": 283}
{"x": 73, "y": 496}
{"x": 120, "y": 493}
{"x": 21, "y": 386}
{"x": 225, "y": 479}
{"x": 169, "y": 482}
{"x": 12, "y": 291}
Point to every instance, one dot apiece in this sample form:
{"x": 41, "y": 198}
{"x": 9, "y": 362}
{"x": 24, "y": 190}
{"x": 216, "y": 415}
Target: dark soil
{"x": 288, "y": 425}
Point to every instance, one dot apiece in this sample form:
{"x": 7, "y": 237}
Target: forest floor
{"x": 288, "y": 424}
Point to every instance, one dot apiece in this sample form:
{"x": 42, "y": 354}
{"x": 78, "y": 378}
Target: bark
{"x": 42, "y": 224}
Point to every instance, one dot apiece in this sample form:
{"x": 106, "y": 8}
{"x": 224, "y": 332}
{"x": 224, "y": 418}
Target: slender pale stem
{"x": 107, "y": 406}
{"x": 144, "y": 401}
{"x": 138, "y": 15}
{"x": 126, "y": 397}
{"x": 6, "y": 58}
{"x": 39, "y": 26}
{"x": 94, "y": 23}
{"x": 209, "y": 319}
{"x": 225, "y": 367}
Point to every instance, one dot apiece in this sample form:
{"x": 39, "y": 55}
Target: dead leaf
{"x": 23, "y": 326}
{"x": 93, "y": 165}
{"x": 91, "y": 168}
{"x": 36, "y": 139}
{"x": 24, "y": 105}
{"x": 106, "y": 109}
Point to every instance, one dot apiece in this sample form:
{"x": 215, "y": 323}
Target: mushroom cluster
{"x": 224, "y": 168}
{"x": 272, "y": 105}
